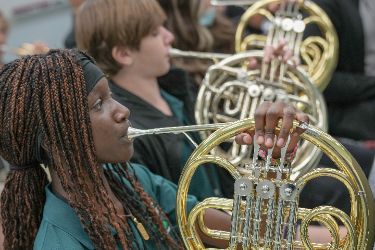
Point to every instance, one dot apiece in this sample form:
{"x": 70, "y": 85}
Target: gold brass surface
{"x": 230, "y": 92}
{"x": 359, "y": 223}
{"x": 319, "y": 53}
{"x": 214, "y": 57}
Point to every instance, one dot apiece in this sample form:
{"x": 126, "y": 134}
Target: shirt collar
{"x": 175, "y": 104}
{"x": 61, "y": 215}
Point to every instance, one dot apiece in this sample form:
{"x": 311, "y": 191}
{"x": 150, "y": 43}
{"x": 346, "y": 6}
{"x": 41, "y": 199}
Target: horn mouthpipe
{"x": 134, "y": 132}
{"x": 232, "y": 2}
{"x": 201, "y": 55}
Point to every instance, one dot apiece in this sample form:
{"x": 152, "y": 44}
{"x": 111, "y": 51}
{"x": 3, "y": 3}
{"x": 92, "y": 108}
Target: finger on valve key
{"x": 267, "y": 117}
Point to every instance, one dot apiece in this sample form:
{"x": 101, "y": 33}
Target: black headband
{"x": 92, "y": 75}
{"x": 91, "y": 72}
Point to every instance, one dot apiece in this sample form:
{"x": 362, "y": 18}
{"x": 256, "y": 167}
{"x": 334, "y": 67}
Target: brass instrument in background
{"x": 265, "y": 211}
{"x": 232, "y": 2}
{"x": 319, "y": 53}
{"x": 214, "y": 57}
{"x": 230, "y": 91}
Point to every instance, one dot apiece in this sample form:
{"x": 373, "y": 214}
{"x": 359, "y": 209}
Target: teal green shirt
{"x": 61, "y": 229}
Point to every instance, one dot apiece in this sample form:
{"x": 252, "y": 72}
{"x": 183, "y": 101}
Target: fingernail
{"x": 247, "y": 139}
{"x": 260, "y": 139}
{"x": 269, "y": 141}
{"x": 280, "y": 142}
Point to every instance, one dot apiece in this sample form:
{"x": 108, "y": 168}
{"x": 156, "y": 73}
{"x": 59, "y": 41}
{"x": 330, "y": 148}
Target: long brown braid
{"x": 46, "y": 95}
{"x": 147, "y": 206}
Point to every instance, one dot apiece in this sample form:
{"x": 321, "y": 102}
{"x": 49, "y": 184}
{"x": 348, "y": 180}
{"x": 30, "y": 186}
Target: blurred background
{"x": 48, "y": 21}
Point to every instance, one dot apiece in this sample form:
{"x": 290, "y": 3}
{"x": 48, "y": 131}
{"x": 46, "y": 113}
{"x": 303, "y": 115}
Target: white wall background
{"x": 37, "y": 20}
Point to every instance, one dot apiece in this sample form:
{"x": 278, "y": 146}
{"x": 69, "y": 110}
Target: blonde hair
{"x": 102, "y": 25}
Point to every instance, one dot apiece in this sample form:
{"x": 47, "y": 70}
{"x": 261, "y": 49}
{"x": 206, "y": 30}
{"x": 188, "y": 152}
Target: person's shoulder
{"x": 149, "y": 181}
{"x": 140, "y": 171}
{"x": 51, "y": 237}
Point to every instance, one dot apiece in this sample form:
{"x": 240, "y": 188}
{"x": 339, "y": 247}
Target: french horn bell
{"x": 318, "y": 52}
{"x": 270, "y": 202}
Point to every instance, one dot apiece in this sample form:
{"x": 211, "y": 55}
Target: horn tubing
{"x": 201, "y": 55}
{"x": 134, "y": 132}
{"x": 232, "y": 2}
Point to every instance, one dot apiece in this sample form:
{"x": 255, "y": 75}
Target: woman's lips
{"x": 126, "y": 128}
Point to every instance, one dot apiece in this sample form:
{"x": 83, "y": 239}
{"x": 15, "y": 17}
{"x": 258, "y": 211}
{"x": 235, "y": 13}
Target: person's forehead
{"x": 102, "y": 85}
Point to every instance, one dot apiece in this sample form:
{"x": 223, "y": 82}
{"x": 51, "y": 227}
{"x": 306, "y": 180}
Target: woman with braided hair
{"x": 57, "y": 110}
{"x": 48, "y": 118}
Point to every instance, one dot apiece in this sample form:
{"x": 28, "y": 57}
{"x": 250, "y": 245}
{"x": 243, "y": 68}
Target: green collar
{"x": 61, "y": 215}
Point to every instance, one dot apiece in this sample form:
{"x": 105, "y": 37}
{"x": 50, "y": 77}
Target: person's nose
{"x": 168, "y": 36}
{"x": 121, "y": 113}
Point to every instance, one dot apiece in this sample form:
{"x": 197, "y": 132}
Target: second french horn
{"x": 230, "y": 92}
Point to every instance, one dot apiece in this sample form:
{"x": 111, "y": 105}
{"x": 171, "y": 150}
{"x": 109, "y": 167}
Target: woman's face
{"x": 109, "y": 120}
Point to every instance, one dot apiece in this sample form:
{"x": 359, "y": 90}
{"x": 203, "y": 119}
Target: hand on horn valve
{"x": 267, "y": 116}
{"x": 280, "y": 51}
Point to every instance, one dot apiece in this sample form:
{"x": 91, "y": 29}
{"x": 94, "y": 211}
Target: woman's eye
{"x": 98, "y": 104}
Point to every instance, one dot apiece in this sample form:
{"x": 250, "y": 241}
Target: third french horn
{"x": 319, "y": 51}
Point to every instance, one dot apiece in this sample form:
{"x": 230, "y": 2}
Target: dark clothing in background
{"x": 166, "y": 154}
{"x": 179, "y": 84}
{"x": 350, "y": 96}
{"x": 70, "y": 39}
{"x": 330, "y": 192}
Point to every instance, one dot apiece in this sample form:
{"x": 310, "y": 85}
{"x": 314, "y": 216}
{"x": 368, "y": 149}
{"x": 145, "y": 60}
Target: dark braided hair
{"x": 46, "y": 95}
{"x": 139, "y": 209}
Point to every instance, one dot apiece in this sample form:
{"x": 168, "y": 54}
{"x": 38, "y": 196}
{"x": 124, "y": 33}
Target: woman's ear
{"x": 44, "y": 145}
{"x": 42, "y": 150}
{"x": 122, "y": 55}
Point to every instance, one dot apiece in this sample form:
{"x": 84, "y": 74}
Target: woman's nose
{"x": 122, "y": 113}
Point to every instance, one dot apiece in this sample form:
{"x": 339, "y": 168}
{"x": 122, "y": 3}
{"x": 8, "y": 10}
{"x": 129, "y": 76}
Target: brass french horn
{"x": 230, "y": 91}
{"x": 265, "y": 207}
{"x": 270, "y": 202}
{"x": 232, "y": 2}
{"x": 319, "y": 53}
